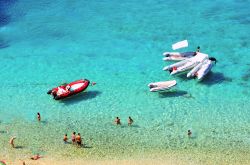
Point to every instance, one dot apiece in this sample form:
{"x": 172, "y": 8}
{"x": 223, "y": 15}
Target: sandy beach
{"x": 127, "y": 162}
{"x": 194, "y": 157}
{"x": 105, "y": 162}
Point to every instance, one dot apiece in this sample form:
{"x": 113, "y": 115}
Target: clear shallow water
{"x": 119, "y": 46}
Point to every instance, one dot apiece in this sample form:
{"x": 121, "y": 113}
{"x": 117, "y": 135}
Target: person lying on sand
{"x": 36, "y": 157}
{"x": 2, "y": 162}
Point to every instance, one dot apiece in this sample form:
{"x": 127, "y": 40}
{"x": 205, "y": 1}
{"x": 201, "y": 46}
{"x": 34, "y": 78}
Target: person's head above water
{"x": 198, "y": 49}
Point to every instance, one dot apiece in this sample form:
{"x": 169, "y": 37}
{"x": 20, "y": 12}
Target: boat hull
{"x": 73, "y": 89}
{"x": 161, "y": 86}
{"x": 207, "y": 66}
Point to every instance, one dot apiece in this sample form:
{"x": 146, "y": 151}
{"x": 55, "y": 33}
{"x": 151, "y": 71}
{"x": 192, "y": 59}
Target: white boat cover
{"x": 181, "y": 44}
{"x": 76, "y": 86}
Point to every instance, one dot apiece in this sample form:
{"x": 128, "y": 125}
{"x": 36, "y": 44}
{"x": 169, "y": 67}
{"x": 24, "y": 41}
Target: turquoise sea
{"x": 119, "y": 45}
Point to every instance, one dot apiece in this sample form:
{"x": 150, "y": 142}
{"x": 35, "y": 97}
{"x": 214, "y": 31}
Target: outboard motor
{"x": 49, "y": 92}
{"x": 213, "y": 59}
{"x": 167, "y": 55}
{"x": 152, "y": 86}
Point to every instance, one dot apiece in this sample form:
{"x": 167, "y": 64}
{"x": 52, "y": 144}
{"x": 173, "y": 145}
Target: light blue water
{"x": 119, "y": 46}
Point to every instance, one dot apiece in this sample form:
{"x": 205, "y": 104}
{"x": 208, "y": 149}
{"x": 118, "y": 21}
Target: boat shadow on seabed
{"x": 213, "y": 78}
{"x": 80, "y": 97}
{"x": 174, "y": 93}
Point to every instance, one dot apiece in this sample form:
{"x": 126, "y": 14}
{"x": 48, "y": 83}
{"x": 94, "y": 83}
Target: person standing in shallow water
{"x": 73, "y": 138}
{"x": 65, "y": 138}
{"x": 117, "y": 121}
{"x": 189, "y": 133}
{"x": 79, "y": 140}
{"x": 130, "y": 121}
{"x": 38, "y": 116}
{"x": 12, "y": 142}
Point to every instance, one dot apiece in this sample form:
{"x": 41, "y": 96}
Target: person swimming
{"x": 117, "y": 121}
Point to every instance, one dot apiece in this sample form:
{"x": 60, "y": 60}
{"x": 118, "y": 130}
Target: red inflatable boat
{"x": 70, "y": 89}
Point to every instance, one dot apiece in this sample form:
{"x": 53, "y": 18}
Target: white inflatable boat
{"x": 186, "y": 64}
{"x": 161, "y": 86}
{"x": 177, "y": 56}
{"x": 201, "y": 69}
{"x": 205, "y": 68}
{"x": 194, "y": 70}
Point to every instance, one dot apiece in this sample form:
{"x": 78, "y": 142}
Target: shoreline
{"x": 126, "y": 150}
{"x": 178, "y": 157}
